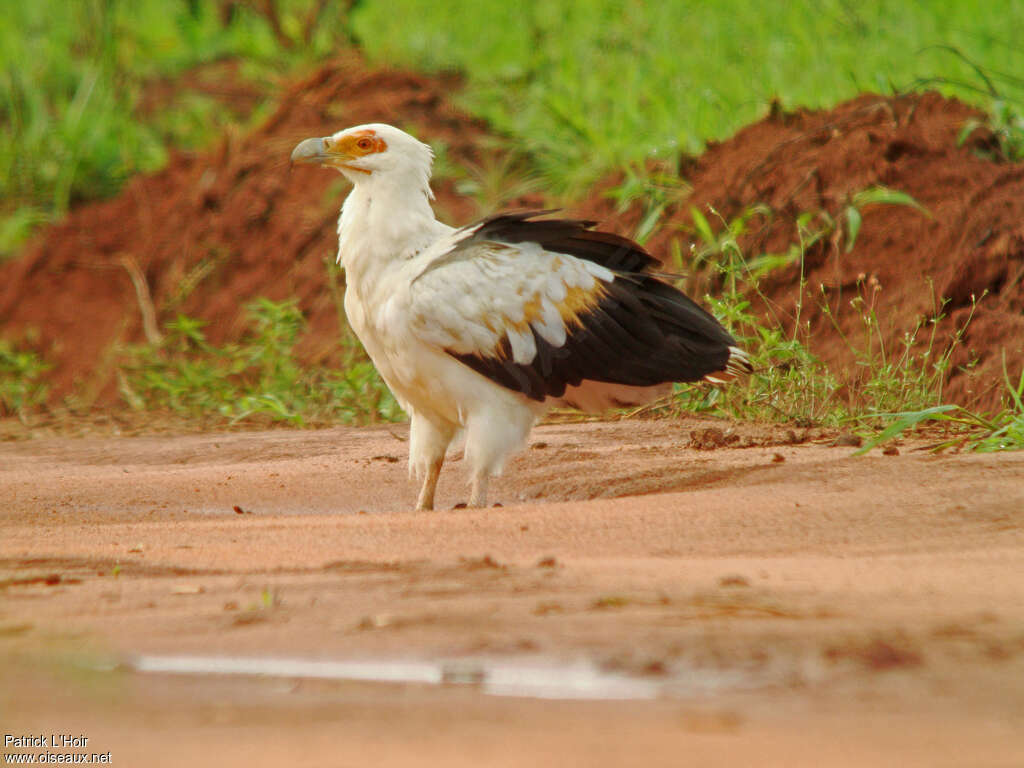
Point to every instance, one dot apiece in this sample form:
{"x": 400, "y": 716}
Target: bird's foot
{"x": 478, "y": 492}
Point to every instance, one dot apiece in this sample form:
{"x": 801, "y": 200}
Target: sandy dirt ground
{"x": 794, "y": 604}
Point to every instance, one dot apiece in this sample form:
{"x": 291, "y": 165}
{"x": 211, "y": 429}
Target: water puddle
{"x": 541, "y": 679}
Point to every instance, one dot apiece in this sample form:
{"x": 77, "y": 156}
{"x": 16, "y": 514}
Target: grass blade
{"x": 853, "y": 220}
{"x": 886, "y": 196}
{"x": 903, "y": 422}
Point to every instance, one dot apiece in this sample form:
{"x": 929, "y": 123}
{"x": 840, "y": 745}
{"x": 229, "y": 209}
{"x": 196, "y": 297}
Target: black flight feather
{"x": 571, "y": 236}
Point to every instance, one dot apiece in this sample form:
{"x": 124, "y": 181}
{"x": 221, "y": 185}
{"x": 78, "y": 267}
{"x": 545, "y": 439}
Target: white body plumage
{"x": 440, "y": 394}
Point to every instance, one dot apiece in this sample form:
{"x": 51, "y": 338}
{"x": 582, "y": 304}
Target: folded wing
{"x": 539, "y": 305}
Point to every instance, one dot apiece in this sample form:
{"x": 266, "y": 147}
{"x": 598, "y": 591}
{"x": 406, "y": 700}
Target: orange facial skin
{"x": 355, "y": 145}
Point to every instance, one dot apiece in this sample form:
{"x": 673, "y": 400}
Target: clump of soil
{"x": 969, "y": 250}
{"x": 216, "y": 229}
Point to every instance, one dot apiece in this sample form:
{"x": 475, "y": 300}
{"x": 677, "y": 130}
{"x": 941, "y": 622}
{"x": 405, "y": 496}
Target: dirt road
{"x": 772, "y": 601}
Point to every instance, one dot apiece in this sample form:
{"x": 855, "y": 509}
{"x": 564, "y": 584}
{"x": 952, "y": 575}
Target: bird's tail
{"x": 737, "y": 365}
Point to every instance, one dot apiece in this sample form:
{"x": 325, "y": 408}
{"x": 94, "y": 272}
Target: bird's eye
{"x": 365, "y": 144}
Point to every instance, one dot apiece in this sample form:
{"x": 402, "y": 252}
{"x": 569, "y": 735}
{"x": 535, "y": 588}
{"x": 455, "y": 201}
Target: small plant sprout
{"x": 21, "y": 385}
{"x": 852, "y": 211}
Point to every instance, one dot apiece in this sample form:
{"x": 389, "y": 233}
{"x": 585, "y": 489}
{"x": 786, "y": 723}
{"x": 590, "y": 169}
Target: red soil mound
{"x": 247, "y": 226}
{"x": 902, "y": 262}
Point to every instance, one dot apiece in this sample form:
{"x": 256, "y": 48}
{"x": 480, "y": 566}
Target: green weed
{"x": 1002, "y": 432}
{"x": 655, "y": 190}
{"x": 789, "y": 382}
{"x": 1005, "y": 111}
{"x": 910, "y": 376}
{"x": 257, "y": 379}
{"x": 1005, "y": 122}
{"x": 21, "y": 385}
{"x": 852, "y": 210}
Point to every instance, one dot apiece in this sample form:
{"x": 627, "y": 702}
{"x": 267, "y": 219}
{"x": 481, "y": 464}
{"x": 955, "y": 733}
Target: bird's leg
{"x": 478, "y": 490}
{"x": 426, "y": 498}
{"x": 428, "y": 441}
{"x": 492, "y": 434}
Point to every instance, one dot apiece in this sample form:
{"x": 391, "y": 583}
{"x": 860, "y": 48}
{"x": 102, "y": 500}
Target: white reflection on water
{"x": 496, "y": 677}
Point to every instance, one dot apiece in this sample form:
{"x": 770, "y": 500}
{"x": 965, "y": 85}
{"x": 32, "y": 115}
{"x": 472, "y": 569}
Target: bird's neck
{"x": 384, "y": 220}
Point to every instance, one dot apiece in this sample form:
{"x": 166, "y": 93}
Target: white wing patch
{"x": 469, "y": 299}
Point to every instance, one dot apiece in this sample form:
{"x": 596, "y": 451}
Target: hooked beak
{"x": 329, "y": 153}
{"x": 312, "y": 151}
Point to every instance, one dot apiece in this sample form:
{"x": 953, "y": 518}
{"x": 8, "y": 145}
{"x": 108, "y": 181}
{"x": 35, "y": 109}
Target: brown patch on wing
{"x": 531, "y": 312}
{"x": 579, "y": 301}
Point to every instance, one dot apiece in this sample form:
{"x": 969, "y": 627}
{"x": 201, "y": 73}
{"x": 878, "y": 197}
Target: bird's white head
{"x": 374, "y": 152}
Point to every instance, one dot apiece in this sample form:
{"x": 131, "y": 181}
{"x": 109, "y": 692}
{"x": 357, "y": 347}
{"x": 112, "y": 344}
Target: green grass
{"x": 590, "y": 87}
{"x": 22, "y": 388}
{"x": 1006, "y": 123}
{"x": 71, "y": 78}
{"x": 257, "y": 380}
